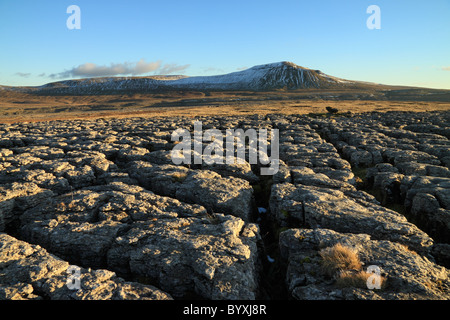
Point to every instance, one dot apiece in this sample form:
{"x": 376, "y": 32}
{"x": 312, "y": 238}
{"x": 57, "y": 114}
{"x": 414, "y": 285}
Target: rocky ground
{"x": 104, "y": 195}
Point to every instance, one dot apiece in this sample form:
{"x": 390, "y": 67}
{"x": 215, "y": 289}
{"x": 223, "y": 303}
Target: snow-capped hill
{"x": 263, "y": 77}
{"x": 106, "y": 84}
{"x": 258, "y": 78}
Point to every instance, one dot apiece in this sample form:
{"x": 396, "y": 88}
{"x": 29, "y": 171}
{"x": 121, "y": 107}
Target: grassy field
{"x": 21, "y": 107}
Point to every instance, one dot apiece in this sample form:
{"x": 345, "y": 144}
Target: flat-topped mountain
{"x": 270, "y": 76}
{"x": 264, "y": 77}
{"x": 279, "y": 78}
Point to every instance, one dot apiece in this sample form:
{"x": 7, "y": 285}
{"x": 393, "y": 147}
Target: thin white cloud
{"x": 173, "y": 68}
{"x": 22, "y": 74}
{"x": 119, "y": 69}
{"x": 142, "y": 67}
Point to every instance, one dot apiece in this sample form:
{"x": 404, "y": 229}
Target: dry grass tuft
{"x": 353, "y": 279}
{"x": 179, "y": 176}
{"x": 358, "y": 279}
{"x": 343, "y": 263}
{"x": 339, "y": 258}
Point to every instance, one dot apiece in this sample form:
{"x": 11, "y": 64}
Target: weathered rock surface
{"x": 207, "y": 256}
{"x": 29, "y": 272}
{"x": 136, "y": 233}
{"x": 410, "y": 161}
{"x": 315, "y": 207}
{"x": 406, "y": 274}
{"x": 16, "y": 197}
{"x": 229, "y": 195}
{"x": 106, "y": 195}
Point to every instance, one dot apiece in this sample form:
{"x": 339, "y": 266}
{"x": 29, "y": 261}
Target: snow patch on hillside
{"x": 262, "y": 77}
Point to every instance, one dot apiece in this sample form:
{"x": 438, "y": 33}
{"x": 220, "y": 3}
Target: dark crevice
{"x": 273, "y": 272}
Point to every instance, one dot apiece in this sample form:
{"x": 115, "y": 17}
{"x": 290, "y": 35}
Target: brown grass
{"x": 17, "y": 107}
{"x": 356, "y": 279}
{"x": 353, "y": 279}
{"x": 343, "y": 263}
{"x": 179, "y": 176}
{"x": 339, "y": 258}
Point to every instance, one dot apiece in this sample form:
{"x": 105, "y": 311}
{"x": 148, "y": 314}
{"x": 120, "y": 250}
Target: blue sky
{"x": 197, "y": 37}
